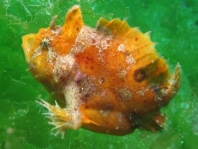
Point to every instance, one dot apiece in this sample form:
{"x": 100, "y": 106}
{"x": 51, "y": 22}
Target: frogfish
{"x": 108, "y": 79}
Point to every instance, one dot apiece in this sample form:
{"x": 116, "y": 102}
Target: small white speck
{"x": 130, "y": 59}
{"x": 121, "y": 48}
{"x": 142, "y": 92}
{"x": 157, "y": 98}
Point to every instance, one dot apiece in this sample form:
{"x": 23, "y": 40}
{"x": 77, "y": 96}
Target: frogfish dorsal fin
{"x": 73, "y": 22}
{"x": 121, "y": 29}
{"x": 135, "y": 41}
{"x": 115, "y": 26}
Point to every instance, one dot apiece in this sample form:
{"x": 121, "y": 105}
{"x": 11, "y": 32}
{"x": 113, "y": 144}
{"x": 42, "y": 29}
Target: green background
{"x": 174, "y": 26}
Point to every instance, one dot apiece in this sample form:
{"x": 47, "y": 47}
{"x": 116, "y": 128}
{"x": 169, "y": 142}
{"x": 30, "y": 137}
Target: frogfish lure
{"x": 107, "y": 79}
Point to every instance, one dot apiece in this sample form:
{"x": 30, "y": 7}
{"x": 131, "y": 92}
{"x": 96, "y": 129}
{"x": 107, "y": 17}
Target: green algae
{"x": 174, "y": 27}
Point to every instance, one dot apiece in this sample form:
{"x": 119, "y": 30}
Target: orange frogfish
{"x": 107, "y": 79}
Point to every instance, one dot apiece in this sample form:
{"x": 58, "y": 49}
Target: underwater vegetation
{"x": 174, "y": 28}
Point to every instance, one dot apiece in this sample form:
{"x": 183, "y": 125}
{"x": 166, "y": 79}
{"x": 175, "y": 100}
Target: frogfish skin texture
{"x": 107, "y": 79}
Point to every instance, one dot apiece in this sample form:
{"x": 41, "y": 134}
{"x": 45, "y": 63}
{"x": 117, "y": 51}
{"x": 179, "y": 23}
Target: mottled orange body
{"x": 109, "y": 79}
